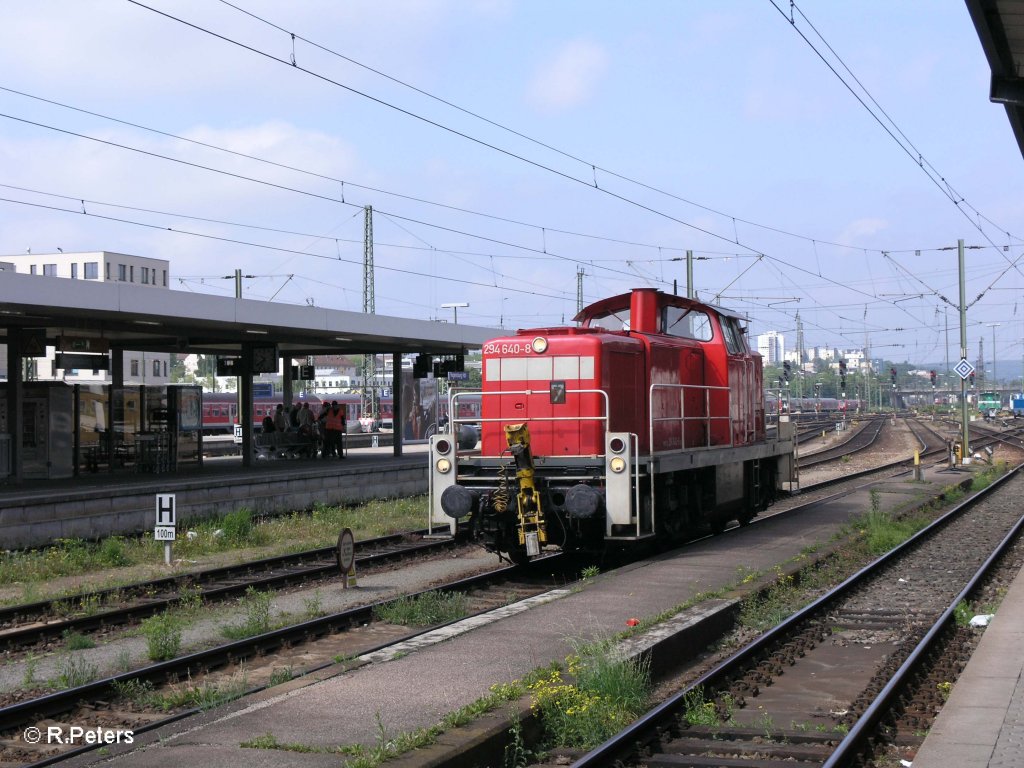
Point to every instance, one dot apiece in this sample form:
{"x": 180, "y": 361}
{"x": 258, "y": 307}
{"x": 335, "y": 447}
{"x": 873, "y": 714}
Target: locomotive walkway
{"x": 405, "y": 689}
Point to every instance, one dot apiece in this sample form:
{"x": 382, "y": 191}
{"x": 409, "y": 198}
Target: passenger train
{"x": 220, "y": 410}
{"x": 645, "y": 423}
{"x": 827, "y": 405}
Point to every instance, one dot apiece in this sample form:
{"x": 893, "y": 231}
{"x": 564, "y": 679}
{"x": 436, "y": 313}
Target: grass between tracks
{"x": 115, "y": 560}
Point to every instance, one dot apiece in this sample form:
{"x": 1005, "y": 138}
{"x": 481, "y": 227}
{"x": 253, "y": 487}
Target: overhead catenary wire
{"x": 342, "y": 182}
{"x": 264, "y": 246}
{"x": 752, "y": 256}
{"x": 440, "y": 126}
{"x": 543, "y": 250}
{"x": 567, "y": 176}
{"x": 328, "y": 198}
{"x": 295, "y": 190}
{"x": 908, "y": 148}
{"x": 592, "y": 165}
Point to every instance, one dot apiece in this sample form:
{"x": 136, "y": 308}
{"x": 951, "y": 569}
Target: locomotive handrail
{"x": 682, "y": 418}
{"x": 527, "y": 419}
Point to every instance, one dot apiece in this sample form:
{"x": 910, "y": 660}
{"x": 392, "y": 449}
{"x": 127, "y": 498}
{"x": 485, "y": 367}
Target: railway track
{"x": 933, "y": 445}
{"x": 132, "y": 700}
{"x": 26, "y": 626}
{"x": 861, "y": 440}
{"x": 833, "y": 681}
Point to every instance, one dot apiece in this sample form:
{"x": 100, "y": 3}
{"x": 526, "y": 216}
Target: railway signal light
{"x": 933, "y": 378}
{"x": 786, "y": 370}
{"x": 892, "y": 373}
{"x": 972, "y": 379}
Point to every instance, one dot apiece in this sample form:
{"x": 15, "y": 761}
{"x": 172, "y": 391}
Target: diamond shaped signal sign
{"x": 963, "y": 369}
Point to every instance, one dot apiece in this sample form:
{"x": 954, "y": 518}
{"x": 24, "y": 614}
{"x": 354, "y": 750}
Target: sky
{"x": 506, "y": 147}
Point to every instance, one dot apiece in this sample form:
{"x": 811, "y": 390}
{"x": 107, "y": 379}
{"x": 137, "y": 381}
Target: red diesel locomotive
{"x": 646, "y": 421}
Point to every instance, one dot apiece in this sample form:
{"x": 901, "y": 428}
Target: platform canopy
{"x": 139, "y": 317}
{"x": 1000, "y": 26}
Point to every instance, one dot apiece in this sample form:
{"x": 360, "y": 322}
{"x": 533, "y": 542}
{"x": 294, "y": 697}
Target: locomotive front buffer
{"x": 516, "y": 509}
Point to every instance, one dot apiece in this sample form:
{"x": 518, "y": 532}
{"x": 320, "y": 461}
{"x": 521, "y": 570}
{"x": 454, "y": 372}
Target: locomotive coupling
{"x": 530, "y": 524}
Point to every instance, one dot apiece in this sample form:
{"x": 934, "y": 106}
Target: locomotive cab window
{"x": 686, "y": 323}
{"x": 733, "y": 336}
{"x": 611, "y": 321}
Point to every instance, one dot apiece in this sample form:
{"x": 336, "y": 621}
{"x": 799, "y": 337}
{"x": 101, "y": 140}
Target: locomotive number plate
{"x": 517, "y": 348}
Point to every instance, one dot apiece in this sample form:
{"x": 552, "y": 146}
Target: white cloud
{"x": 570, "y": 77}
{"x": 856, "y": 231}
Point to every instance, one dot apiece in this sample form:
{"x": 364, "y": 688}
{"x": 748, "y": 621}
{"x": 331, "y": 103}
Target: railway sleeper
{"x": 711, "y": 753}
{"x": 750, "y": 745}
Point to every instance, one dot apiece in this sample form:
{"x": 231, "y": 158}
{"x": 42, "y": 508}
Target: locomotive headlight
{"x": 443, "y": 466}
{"x": 617, "y": 464}
{"x": 540, "y": 345}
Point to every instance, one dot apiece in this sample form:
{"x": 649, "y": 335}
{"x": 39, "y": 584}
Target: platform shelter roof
{"x": 139, "y": 317}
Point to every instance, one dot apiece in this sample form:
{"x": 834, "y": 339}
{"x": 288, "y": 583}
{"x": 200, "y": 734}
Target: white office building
{"x": 99, "y": 266}
{"x": 772, "y": 347}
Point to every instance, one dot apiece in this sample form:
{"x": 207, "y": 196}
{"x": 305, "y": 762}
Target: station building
{"x": 140, "y": 367}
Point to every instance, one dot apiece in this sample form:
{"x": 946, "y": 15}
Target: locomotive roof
{"x": 664, "y": 299}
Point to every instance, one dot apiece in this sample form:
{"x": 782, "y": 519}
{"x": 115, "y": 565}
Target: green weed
{"x": 29, "y": 676}
{"x": 423, "y": 610}
{"x": 112, "y": 552}
{"x": 257, "y": 615}
{"x": 163, "y": 636}
{"x": 76, "y": 641}
{"x": 73, "y": 671}
{"x": 962, "y": 614}
{"x": 205, "y": 696}
{"x": 280, "y": 675}
{"x": 137, "y": 692}
{"x": 608, "y": 694}
{"x": 314, "y": 605}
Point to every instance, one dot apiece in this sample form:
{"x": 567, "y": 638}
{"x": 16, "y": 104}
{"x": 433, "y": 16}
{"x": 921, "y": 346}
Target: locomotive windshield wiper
{"x": 679, "y": 320}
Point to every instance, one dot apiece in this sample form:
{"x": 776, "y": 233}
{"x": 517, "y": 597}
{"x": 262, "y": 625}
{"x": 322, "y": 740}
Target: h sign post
{"x": 166, "y": 519}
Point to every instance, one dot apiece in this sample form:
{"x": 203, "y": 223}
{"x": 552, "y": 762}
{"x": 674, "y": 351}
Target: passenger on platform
{"x": 293, "y": 416}
{"x": 321, "y": 429}
{"x": 334, "y": 423}
{"x": 280, "y": 419}
{"x": 268, "y": 424}
{"x": 306, "y": 420}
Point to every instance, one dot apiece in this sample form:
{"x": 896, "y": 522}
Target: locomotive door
{"x": 743, "y": 385}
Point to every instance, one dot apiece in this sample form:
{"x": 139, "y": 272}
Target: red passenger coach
{"x": 645, "y": 421}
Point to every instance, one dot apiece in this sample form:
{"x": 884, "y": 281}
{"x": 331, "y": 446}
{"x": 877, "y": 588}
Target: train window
{"x": 733, "y": 338}
{"x": 613, "y": 321}
{"x": 686, "y": 323}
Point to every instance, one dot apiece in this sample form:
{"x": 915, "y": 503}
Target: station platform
{"x": 982, "y": 723}
{"x": 390, "y": 693}
{"x": 93, "y": 505}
